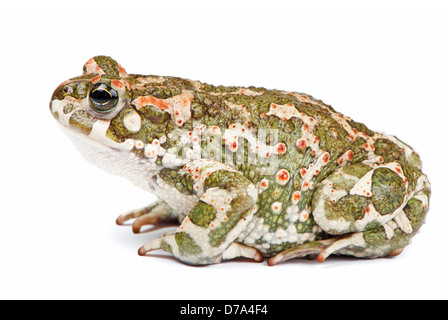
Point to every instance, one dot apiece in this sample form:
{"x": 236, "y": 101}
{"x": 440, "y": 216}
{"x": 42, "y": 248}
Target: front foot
{"x": 235, "y": 250}
{"x": 154, "y": 214}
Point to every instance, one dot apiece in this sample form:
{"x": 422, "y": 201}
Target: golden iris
{"x": 103, "y": 98}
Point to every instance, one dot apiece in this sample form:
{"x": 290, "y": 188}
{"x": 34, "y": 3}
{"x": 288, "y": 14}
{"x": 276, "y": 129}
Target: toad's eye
{"x": 103, "y": 99}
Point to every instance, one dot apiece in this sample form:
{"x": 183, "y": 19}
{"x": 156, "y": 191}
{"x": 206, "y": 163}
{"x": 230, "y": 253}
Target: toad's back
{"x": 247, "y": 171}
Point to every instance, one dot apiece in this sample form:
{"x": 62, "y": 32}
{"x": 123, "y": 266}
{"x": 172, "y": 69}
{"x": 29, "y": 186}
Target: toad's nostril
{"x": 60, "y": 92}
{"x": 66, "y": 89}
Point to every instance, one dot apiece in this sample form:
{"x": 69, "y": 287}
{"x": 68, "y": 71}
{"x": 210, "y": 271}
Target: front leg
{"x": 225, "y": 206}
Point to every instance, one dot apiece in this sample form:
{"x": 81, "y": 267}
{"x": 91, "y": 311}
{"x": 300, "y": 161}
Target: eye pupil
{"x": 103, "y": 98}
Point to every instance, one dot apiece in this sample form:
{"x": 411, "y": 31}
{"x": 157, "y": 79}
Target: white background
{"x": 384, "y": 64}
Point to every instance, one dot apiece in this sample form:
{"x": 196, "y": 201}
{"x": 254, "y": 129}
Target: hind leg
{"x": 387, "y": 240}
{"x": 371, "y": 211}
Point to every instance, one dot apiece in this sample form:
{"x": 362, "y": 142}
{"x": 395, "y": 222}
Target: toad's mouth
{"x": 80, "y": 126}
{"x": 96, "y": 139}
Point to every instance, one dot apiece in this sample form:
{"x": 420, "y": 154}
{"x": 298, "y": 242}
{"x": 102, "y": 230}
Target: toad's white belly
{"x": 140, "y": 171}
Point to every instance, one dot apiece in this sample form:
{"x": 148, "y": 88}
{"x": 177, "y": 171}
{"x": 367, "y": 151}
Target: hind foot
{"x": 359, "y": 244}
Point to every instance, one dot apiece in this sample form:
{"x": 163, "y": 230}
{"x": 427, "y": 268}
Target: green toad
{"x": 247, "y": 172}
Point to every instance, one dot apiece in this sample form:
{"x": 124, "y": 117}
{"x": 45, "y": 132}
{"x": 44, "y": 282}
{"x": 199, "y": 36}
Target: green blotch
{"x": 415, "y": 212}
{"x": 82, "y": 121}
{"x": 182, "y": 182}
{"x": 411, "y": 173}
{"x": 154, "y": 115}
{"x": 218, "y": 235}
{"x": 357, "y": 170}
{"x": 202, "y": 214}
{"x": 350, "y": 208}
{"x": 388, "y": 191}
{"x": 165, "y": 246}
{"x": 117, "y": 131}
{"x": 375, "y": 237}
{"x": 108, "y": 65}
{"x": 389, "y": 151}
{"x": 187, "y": 246}
{"x": 333, "y": 137}
{"x": 227, "y": 180}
